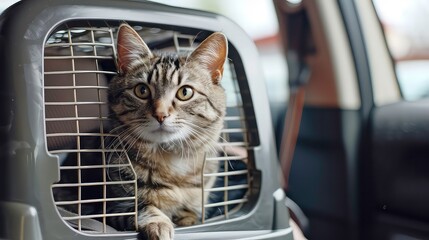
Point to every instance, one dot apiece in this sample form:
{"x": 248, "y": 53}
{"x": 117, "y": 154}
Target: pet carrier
{"x": 57, "y": 59}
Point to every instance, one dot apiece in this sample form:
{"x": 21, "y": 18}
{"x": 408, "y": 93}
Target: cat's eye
{"x": 185, "y": 93}
{"x": 142, "y": 91}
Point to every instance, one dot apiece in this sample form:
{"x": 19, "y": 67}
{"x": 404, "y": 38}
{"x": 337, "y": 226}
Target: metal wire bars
{"x": 78, "y": 62}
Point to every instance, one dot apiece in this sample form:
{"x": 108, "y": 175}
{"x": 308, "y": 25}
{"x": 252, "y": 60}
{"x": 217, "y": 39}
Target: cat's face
{"x": 168, "y": 98}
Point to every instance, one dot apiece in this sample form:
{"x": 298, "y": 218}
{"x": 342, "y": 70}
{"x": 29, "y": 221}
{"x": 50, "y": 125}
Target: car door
{"x": 360, "y": 166}
{"x": 396, "y": 164}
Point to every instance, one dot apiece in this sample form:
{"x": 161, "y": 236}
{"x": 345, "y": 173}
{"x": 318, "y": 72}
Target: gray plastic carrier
{"x": 56, "y": 60}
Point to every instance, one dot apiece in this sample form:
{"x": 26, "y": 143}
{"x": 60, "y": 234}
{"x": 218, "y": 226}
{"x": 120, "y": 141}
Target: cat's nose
{"x": 161, "y": 110}
{"x": 160, "y": 116}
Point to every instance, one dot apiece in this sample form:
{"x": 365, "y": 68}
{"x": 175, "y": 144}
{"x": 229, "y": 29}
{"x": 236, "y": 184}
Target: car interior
{"x": 359, "y": 169}
{"x": 349, "y": 140}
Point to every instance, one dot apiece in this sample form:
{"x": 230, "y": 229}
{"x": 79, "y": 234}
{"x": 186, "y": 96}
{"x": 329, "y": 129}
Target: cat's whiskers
{"x": 129, "y": 137}
{"x": 130, "y": 140}
{"x": 122, "y": 157}
{"x": 190, "y": 153}
{"x": 223, "y": 149}
{"x": 123, "y": 125}
{"x": 185, "y": 153}
{"x": 215, "y": 149}
{"x": 207, "y": 144}
{"x": 213, "y": 132}
{"x": 124, "y": 141}
{"x": 198, "y": 131}
{"x": 129, "y": 128}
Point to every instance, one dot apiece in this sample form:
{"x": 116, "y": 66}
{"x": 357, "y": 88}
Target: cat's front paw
{"x": 157, "y": 231}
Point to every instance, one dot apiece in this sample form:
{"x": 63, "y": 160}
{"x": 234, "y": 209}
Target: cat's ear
{"x": 211, "y": 54}
{"x": 131, "y": 48}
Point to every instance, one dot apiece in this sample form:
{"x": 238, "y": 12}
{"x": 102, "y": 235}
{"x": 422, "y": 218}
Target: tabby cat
{"x": 168, "y": 111}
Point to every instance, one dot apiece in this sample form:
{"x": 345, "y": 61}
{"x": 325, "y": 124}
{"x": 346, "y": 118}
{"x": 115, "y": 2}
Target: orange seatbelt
{"x": 290, "y": 131}
{"x": 296, "y": 38}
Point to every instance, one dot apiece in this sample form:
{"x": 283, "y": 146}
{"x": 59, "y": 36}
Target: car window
{"x": 405, "y": 28}
{"x": 6, "y": 3}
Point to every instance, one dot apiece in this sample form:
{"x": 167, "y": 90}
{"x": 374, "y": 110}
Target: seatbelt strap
{"x": 295, "y": 33}
{"x": 290, "y": 131}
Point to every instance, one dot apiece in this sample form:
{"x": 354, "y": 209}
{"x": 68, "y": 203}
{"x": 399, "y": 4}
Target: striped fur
{"x": 166, "y": 134}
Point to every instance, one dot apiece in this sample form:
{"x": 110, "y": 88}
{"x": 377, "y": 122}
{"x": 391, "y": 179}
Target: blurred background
{"x": 405, "y": 28}
{"x": 407, "y": 35}
{"x": 403, "y": 22}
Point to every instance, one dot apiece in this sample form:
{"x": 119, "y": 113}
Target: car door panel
{"x": 400, "y": 165}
